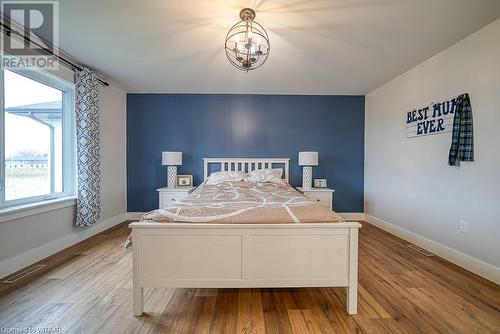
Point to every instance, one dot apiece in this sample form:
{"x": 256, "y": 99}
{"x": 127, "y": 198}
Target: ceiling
{"x": 317, "y": 46}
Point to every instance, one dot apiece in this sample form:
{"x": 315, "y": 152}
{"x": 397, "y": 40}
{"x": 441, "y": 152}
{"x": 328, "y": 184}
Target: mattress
{"x": 244, "y": 203}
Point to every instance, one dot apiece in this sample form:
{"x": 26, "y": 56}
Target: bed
{"x": 241, "y": 235}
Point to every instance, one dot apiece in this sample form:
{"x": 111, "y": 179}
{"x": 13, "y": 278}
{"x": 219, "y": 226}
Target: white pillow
{"x": 219, "y": 177}
{"x": 265, "y": 175}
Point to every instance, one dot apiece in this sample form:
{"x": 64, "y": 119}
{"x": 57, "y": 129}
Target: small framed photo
{"x": 184, "y": 180}
{"x": 320, "y": 183}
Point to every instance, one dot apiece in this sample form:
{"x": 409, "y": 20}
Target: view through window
{"x": 34, "y": 133}
{"x": 33, "y": 137}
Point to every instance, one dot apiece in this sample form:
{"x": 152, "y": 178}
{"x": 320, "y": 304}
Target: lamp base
{"x": 171, "y": 176}
{"x": 307, "y": 177}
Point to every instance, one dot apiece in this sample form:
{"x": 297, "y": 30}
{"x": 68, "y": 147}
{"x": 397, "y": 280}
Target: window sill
{"x": 32, "y": 209}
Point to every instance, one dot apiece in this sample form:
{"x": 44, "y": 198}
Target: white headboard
{"x": 247, "y": 165}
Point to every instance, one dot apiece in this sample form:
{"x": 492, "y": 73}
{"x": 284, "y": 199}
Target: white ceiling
{"x": 317, "y": 46}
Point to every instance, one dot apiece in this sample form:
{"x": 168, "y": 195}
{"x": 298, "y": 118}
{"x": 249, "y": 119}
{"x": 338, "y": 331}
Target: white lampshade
{"x": 171, "y": 158}
{"x": 308, "y": 158}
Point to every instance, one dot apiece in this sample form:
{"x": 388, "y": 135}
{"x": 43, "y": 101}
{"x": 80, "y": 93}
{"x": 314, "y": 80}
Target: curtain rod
{"x": 8, "y": 31}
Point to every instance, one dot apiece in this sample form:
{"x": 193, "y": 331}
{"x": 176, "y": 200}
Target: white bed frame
{"x": 193, "y": 255}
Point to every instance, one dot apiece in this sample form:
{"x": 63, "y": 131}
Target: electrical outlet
{"x": 463, "y": 227}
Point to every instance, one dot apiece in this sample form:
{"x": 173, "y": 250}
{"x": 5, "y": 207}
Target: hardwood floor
{"x": 88, "y": 289}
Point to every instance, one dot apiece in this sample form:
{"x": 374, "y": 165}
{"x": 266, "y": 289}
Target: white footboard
{"x": 244, "y": 256}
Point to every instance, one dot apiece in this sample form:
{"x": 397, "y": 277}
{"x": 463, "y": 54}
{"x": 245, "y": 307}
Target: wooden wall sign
{"x": 432, "y": 119}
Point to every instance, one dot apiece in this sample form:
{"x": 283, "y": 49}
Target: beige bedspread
{"x": 244, "y": 203}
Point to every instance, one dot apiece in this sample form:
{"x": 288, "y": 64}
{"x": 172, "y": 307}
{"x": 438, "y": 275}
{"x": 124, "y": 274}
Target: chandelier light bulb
{"x": 259, "y": 51}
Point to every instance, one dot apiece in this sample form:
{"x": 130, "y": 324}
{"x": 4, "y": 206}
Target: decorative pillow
{"x": 265, "y": 175}
{"x": 219, "y": 177}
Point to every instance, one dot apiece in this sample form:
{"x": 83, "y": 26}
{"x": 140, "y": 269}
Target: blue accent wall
{"x": 213, "y": 125}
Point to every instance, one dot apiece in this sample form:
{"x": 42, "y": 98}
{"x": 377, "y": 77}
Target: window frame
{"x": 68, "y": 139}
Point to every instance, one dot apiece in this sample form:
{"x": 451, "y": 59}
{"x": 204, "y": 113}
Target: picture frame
{"x": 184, "y": 181}
{"x": 320, "y": 182}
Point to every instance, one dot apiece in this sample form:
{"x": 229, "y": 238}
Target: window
{"x": 36, "y": 137}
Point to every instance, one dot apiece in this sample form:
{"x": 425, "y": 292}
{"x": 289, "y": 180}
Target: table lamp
{"x": 172, "y": 160}
{"x": 307, "y": 159}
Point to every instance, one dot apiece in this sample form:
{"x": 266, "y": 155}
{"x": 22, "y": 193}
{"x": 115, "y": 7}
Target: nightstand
{"x": 323, "y": 195}
{"x": 170, "y": 195}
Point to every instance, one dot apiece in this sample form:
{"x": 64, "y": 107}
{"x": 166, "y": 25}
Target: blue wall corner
{"x": 213, "y": 125}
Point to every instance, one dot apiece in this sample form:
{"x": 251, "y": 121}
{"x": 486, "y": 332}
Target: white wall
{"x": 408, "y": 182}
{"x": 26, "y": 240}
{"x": 113, "y": 118}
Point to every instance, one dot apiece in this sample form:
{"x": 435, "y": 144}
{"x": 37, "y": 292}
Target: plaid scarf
{"x": 462, "y": 139}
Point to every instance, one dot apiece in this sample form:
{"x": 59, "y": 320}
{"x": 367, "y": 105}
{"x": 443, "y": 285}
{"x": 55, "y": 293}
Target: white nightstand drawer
{"x": 324, "y": 196}
{"x": 323, "y": 199}
{"x": 168, "y": 196}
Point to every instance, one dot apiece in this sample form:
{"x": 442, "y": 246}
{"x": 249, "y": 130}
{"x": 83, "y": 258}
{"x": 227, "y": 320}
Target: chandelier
{"x": 247, "y": 43}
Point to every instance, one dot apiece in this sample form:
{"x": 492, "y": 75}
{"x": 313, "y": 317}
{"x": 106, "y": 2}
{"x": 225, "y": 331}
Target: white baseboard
{"x": 134, "y": 215}
{"x": 23, "y": 260}
{"x": 356, "y": 216}
{"x": 481, "y": 268}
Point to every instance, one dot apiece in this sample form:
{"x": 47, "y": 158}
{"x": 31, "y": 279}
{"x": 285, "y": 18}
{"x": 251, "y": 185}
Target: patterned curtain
{"x": 88, "y": 205}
